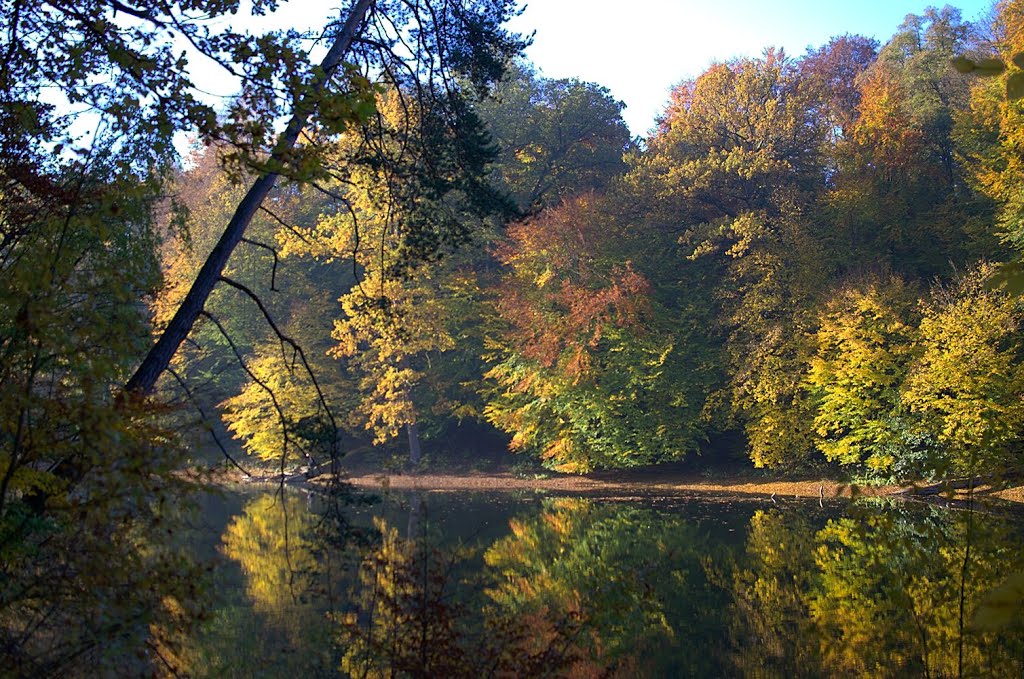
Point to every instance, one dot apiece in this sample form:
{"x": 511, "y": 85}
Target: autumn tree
{"x": 454, "y": 42}
{"x": 990, "y": 131}
{"x": 734, "y": 166}
{"x": 582, "y": 363}
{"x": 831, "y": 74}
{"x": 864, "y": 343}
{"x": 966, "y": 380}
{"x": 393, "y": 316}
{"x": 899, "y": 196}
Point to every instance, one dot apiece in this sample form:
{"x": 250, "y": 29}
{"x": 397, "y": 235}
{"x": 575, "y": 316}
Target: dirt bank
{"x": 623, "y": 483}
{"x": 666, "y": 479}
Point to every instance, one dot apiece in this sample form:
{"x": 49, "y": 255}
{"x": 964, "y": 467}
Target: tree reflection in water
{"x": 876, "y": 593}
{"x": 418, "y": 612}
{"x": 578, "y": 587}
{"x": 273, "y": 622}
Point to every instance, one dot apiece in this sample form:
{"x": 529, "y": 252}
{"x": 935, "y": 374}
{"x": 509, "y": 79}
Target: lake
{"x": 501, "y": 584}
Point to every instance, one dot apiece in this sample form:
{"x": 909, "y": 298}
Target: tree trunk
{"x": 415, "y": 451}
{"x": 156, "y": 361}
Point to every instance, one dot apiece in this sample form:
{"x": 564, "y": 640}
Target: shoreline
{"x": 504, "y": 481}
{"x": 633, "y": 483}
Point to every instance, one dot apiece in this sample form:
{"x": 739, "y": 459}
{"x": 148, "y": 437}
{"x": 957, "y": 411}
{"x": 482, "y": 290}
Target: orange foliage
{"x": 565, "y": 288}
{"x": 886, "y": 127}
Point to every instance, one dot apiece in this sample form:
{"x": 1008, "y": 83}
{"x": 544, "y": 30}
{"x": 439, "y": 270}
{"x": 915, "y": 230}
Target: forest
{"x": 801, "y": 264}
{"x": 812, "y": 262}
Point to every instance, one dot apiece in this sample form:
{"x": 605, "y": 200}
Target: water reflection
{"x": 464, "y": 585}
{"x": 887, "y": 590}
{"x": 631, "y": 576}
{"x": 275, "y": 586}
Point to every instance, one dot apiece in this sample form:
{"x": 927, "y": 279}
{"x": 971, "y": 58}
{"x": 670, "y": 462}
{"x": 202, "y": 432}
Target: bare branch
{"x": 273, "y": 252}
{"x": 286, "y": 438}
{"x": 202, "y": 413}
{"x": 279, "y": 220}
{"x": 285, "y": 339}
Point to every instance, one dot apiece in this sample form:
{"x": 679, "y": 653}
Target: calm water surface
{"x": 461, "y": 584}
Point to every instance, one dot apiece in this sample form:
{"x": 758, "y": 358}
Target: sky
{"x": 639, "y": 49}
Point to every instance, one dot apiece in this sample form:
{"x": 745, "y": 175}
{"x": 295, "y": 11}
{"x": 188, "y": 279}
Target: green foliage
{"x": 632, "y": 580}
{"x": 583, "y": 361}
{"x": 557, "y": 137}
{"x": 766, "y": 348}
{"x": 85, "y": 478}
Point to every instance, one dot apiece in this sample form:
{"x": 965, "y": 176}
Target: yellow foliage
{"x": 967, "y": 381}
{"x": 863, "y": 347}
{"x": 387, "y": 324}
{"x": 268, "y": 410}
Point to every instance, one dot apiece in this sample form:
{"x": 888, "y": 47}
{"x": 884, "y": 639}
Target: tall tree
{"x": 583, "y": 362}
{"x": 900, "y": 198}
{"x": 734, "y": 167}
{"x": 831, "y": 73}
{"x": 991, "y": 131}
{"x": 557, "y": 137}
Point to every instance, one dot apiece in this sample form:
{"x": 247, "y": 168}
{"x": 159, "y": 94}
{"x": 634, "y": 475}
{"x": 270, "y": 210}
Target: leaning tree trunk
{"x": 159, "y": 356}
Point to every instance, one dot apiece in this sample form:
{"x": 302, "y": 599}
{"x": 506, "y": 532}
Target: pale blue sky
{"x": 639, "y": 49}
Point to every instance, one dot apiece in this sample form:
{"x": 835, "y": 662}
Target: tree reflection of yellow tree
{"x": 771, "y": 632}
{"x": 873, "y": 594}
{"x": 889, "y": 594}
{"x": 276, "y": 625}
{"x": 272, "y": 542}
